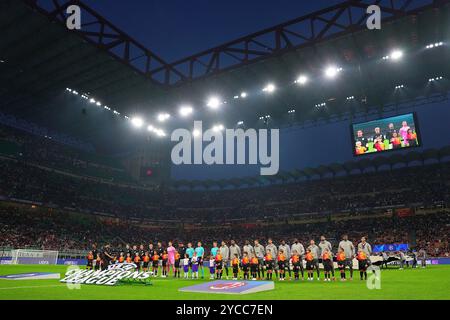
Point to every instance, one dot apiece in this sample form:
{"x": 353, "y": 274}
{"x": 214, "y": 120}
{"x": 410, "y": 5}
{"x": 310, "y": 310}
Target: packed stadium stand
{"x": 48, "y": 202}
{"x": 76, "y": 172}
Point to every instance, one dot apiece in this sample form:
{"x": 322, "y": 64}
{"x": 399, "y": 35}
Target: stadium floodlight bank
{"x": 26, "y": 256}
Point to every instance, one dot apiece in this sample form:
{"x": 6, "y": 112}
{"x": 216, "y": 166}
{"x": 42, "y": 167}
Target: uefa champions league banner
{"x": 114, "y": 274}
{"x": 72, "y": 262}
{"x": 391, "y": 247}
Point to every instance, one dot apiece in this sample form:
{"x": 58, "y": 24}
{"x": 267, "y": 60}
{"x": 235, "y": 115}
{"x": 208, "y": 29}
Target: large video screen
{"x": 385, "y": 134}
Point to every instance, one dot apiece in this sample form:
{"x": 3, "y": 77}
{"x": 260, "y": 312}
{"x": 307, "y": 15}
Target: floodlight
{"x": 160, "y": 133}
{"x": 196, "y": 133}
{"x": 218, "y": 128}
{"x": 301, "y": 80}
{"x": 269, "y": 88}
{"x": 214, "y": 102}
{"x": 396, "y": 54}
{"x": 332, "y": 71}
{"x": 186, "y": 111}
{"x": 163, "y": 117}
{"x": 434, "y": 45}
{"x": 137, "y": 122}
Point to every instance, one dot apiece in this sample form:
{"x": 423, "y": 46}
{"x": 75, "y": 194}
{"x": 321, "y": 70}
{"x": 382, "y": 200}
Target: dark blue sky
{"x": 174, "y": 29}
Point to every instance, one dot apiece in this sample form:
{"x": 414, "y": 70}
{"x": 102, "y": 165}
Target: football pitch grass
{"x": 432, "y": 283}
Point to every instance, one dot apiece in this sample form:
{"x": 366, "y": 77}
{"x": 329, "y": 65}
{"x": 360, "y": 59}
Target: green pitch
{"x": 430, "y": 283}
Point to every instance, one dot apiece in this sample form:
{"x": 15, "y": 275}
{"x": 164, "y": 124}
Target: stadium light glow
{"x": 92, "y": 100}
{"x": 217, "y": 128}
{"x": 163, "y": 117}
{"x": 213, "y": 102}
{"x": 196, "y": 133}
{"x": 332, "y": 71}
{"x": 350, "y": 98}
{"x": 270, "y": 88}
{"x": 137, "y": 122}
{"x": 434, "y": 45}
{"x": 399, "y": 86}
{"x": 435, "y": 79}
{"x": 157, "y": 131}
{"x": 396, "y": 54}
{"x": 160, "y": 133}
{"x": 240, "y": 123}
{"x": 292, "y": 111}
{"x": 301, "y": 80}
{"x": 243, "y": 95}
{"x": 98, "y": 103}
{"x": 186, "y": 111}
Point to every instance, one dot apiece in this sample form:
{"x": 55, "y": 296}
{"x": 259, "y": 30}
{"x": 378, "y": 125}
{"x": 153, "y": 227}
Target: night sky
{"x": 175, "y": 29}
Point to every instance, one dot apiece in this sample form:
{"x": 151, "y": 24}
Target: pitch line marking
{"x": 32, "y": 287}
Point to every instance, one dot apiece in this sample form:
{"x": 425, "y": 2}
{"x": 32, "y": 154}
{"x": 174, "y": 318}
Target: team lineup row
{"x": 255, "y": 262}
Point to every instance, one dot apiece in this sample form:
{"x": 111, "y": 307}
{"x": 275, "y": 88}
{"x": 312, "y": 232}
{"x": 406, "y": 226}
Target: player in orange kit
{"x": 268, "y": 264}
{"x": 219, "y": 266}
{"x": 281, "y": 264}
{"x": 245, "y": 265}
{"x": 340, "y": 258}
{"x": 362, "y": 264}
{"x": 235, "y": 266}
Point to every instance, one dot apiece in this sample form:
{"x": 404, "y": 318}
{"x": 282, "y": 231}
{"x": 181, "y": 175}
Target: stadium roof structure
{"x": 41, "y": 58}
{"x": 322, "y": 171}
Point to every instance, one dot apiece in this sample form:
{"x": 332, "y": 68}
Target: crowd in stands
{"x": 22, "y": 181}
{"x": 410, "y": 187}
{"x": 8, "y": 121}
{"x": 54, "y": 229}
{"x": 45, "y": 151}
{"x": 32, "y": 177}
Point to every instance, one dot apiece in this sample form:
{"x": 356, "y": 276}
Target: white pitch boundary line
{"x": 32, "y": 287}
